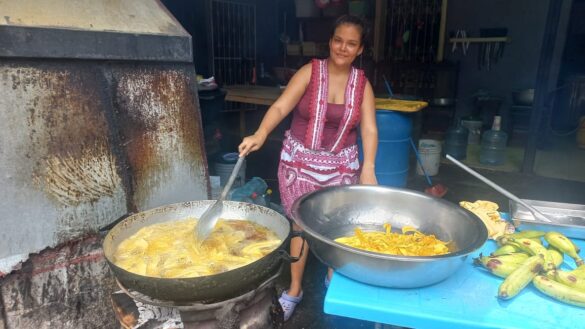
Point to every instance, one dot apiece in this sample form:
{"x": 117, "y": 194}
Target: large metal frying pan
{"x": 204, "y": 289}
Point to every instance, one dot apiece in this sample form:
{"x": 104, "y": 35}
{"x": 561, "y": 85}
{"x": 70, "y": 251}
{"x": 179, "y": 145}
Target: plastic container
{"x": 456, "y": 140}
{"x": 430, "y": 156}
{"x": 392, "y": 158}
{"x": 474, "y": 126}
{"x": 224, "y": 167}
{"x": 493, "y": 145}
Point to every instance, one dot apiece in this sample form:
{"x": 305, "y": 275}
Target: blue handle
{"x": 388, "y": 86}
{"x": 420, "y": 163}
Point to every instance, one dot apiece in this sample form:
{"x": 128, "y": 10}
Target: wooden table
{"x": 261, "y": 95}
{"x": 257, "y": 95}
{"x": 253, "y": 95}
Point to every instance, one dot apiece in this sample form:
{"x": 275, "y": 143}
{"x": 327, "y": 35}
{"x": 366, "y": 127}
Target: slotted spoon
{"x": 535, "y": 212}
{"x": 207, "y": 221}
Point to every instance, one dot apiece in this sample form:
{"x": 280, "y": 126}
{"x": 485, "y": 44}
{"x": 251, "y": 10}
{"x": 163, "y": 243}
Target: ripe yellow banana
{"x": 568, "y": 279}
{"x": 563, "y": 244}
{"x": 501, "y": 265}
{"x": 559, "y": 291}
{"x": 521, "y": 277}
{"x": 534, "y": 248}
{"x": 505, "y": 249}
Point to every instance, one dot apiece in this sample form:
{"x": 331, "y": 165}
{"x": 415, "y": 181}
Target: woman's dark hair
{"x": 353, "y": 20}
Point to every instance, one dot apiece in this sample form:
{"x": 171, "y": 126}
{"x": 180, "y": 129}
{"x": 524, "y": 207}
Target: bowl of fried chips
{"x": 386, "y": 236}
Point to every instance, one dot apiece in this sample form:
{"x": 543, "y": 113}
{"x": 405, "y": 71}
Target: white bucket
{"x": 224, "y": 170}
{"x": 430, "y": 156}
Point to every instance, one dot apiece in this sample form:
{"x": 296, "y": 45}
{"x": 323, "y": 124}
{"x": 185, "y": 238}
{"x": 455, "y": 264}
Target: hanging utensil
{"x": 535, "y": 212}
{"x": 207, "y": 221}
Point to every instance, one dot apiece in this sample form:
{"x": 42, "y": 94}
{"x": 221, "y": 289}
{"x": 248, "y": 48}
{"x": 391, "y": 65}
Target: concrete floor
{"x": 462, "y": 186}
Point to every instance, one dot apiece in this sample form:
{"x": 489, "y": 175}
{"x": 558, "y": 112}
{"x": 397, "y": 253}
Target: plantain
{"x": 559, "y": 291}
{"x": 505, "y": 250}
{"x": 528, "y": 234}
{"x": 521, "y": 277}
{"x": 579, "y": 272}
{"x": 501, "y": 265}
{"x": 534, "y": 248}
{"x": 557, "y": 256}
{"x": 537, "y": 240}
{"x": 563, "y": 244}
{"x": 568, "y": 279}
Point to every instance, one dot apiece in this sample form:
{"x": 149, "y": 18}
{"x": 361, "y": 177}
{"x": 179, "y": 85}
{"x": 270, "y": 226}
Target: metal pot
{"x": 205, "y": 289}
{"x": 333, "y": 212}
{"x": 523, "y": 97}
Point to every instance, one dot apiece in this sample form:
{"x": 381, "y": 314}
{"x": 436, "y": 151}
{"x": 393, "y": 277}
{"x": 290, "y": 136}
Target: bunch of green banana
{"x": 522, "y": 258}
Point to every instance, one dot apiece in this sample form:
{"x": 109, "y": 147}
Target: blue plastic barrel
{"x": 392, "y": 158}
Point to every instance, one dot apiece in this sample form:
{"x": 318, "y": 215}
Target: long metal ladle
{"x": 207, "y": 221}
{"x": 535, "y": 212}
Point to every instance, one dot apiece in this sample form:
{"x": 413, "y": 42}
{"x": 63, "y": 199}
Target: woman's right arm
{"x": 278, "y": 111}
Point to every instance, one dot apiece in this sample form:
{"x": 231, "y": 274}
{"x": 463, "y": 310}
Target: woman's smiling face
{"x": 346, "y": 44}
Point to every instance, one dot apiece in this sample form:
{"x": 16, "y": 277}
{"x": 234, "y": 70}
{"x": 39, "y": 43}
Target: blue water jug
{"x": 493, "y": 145}
{"x": 456, "y": 142}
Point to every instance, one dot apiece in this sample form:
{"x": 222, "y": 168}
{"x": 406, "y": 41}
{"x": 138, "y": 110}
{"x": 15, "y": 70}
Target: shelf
{"x": 480, "y": 39}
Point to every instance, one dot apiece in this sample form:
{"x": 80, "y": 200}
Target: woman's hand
{"x": 368, "y": 176}
{"x": 251, "y": 143}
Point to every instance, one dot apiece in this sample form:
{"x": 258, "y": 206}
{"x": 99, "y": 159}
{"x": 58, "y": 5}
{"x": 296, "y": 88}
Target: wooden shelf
{"x": 480, "y": 39}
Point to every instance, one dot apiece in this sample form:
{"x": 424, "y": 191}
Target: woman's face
{"x": 346, "y": 44}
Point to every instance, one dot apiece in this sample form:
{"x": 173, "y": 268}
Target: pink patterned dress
{"x": 316, "y": 162}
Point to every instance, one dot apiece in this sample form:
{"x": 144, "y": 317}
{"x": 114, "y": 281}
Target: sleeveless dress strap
{"x": 319, "y": 87}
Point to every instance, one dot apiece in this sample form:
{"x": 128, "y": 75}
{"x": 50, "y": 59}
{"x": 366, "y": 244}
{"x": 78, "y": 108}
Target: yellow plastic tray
{"x": 399, "y": 105}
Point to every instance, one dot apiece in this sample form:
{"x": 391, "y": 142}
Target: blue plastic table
{"x": 465, "y": 300}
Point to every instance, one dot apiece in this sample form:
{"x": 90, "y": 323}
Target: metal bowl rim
{"x": 323, "y": 239}
{"x": 185, "y": 205}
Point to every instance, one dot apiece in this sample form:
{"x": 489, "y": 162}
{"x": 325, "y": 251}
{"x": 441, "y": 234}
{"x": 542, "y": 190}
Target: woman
{"x": 330, "y": 98}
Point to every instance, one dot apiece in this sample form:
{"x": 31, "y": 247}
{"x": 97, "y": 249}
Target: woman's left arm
{"x": 369, "y": 132}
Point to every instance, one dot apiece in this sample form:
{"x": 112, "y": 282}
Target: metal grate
{"x": 412, "y": 28}
{"x": 233, "y": 26}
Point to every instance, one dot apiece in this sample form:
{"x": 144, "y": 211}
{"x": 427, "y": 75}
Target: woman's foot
{"x": 289, "y": 303}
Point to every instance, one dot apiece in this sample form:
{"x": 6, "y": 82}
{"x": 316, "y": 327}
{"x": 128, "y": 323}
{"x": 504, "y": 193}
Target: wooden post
{"x": 551, "y": 53}
{"x": 442, "y": 27}
{"x": 380, "y": 29}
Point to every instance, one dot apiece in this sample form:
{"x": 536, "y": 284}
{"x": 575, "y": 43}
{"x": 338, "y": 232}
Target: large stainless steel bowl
{"x": 333, "y": 212}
